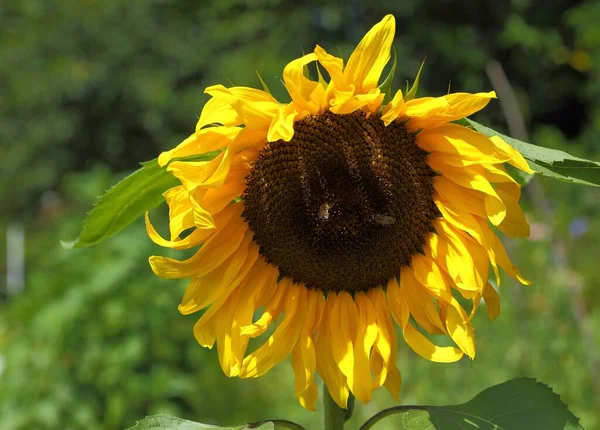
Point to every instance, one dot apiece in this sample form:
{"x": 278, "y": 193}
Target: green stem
{"x": 278, "y": 424}
{"x": 391, "y": 411}
{"x": 335, "y": 417}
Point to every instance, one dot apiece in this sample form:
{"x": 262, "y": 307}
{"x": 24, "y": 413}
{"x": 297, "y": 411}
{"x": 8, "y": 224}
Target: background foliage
{"x": 89, "y": 88}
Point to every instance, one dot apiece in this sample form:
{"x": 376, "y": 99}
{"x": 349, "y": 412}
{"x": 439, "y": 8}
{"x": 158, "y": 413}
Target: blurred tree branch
{"x": 517, "y": 129}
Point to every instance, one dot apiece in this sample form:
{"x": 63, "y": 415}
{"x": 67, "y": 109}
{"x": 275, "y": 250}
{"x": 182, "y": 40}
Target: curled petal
{"x": 417, "y": 341}
{"x": 395, "y": 109}
{"x": 282, "y": 125}
{"x": 308, "y": 95}
{"x": 304, "y": 359}
{"x": 516, "y": 159}
{"x": 281, "y": 343}
{"x": 345, "y": 102}
{"x": 253, "y": 106}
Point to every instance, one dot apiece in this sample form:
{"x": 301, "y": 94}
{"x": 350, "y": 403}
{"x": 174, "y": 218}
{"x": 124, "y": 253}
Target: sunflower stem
{"x": 335, "y": 417}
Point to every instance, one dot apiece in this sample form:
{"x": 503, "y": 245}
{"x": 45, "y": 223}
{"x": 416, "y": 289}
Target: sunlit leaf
{"x": 518, "y": 404}
{"x": 521, "y": 177}
{"x": 322, "y": 80}
{"x": 128, "y": 200}
{"x": 550, "y": 162}
{"x": 386, "y": 85}
{"x": 165, "y": 422}
{"x": 263, "y": 83}
{"x": 412, "y": 93}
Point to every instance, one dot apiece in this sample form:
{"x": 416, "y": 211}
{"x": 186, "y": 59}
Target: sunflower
{"x": 334, "y": 220}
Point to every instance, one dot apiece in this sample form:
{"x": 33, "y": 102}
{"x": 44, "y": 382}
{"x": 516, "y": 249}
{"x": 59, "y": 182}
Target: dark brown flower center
{"x": 344, "y": 204}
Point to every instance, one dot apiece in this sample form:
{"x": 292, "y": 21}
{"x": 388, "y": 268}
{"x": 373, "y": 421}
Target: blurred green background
{"x": 90, "y": 339}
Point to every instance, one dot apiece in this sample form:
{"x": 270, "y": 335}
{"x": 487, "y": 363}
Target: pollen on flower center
{"x": 342, "y": 205}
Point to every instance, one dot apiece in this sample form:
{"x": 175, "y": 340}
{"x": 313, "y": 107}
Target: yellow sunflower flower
{"x": 337, "y": 216}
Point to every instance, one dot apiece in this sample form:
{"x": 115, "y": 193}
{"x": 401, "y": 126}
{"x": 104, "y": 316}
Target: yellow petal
{"x": 242, "y": 316}
{"x": 481, "y": 262}
{"x": 344, "y": 328}
{"x": 214, "y": 200}
{"x": 460, "y": 329}
{"x": 385, "y": 348}
{"x": 366, "y": 63}
{"x": 202, "y": 141}
{"x": 452, "y": 250}
{"x": 460, "y": 219}
{"x": 459, "y": 201}
{"x": 420, "y": 303}
{"x": 282, "y": 126}
{"x": 468, "y": 145}
{"x": 207, "y": 174}
{"x": 465, "y": 245}
{"x": 308, "y": 95}
{"x": 194, "y": 174}
{"x": 191, "y": 173}
{"x": 217, "y": 248}
{"x": 492, "y": 301}
{"x": 515, "y": 224}
{"x": 345, "y": 102}
{"x": 281, "y": 343}
{"x": 499, "y": 257}
{"x": 180, "y": 210}
{"x": 272, "y": 309}
{"x": 204, "y": 290}
{"x": 430, "y": 111}
{"x": 304, "y": 359}
{"x": 460, "y": 198}
{"x": 257, "y": 285}
{"x": 473, "y": 177}
{"x": 218, "y": 111}
{"x": 377, "y": 369}
{"x": 193, "y": 239}
{"x": 497, "y": 174}
{"x": 231, "y": 345}
{"x": 393, "y": 298}
{"x": 426, "y": 349}
{"x": 335, "y": 68}
{"x": 419, "y": 343}
{"x": 254, "y": 107}
{"x": 230, "y": 355}
{"x": 360, "y": 380}
{"x": 395, "y": 109}
{"x": 476, "y": 302}
{"x": 516, "y": 159}
{"x": 429, "y": 275}
{"x": 327, "y": 366}
{"x": 203, "y": 219}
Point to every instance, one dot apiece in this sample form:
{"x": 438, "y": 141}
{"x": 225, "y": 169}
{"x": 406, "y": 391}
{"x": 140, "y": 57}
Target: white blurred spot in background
{"x": 15, "y": 259}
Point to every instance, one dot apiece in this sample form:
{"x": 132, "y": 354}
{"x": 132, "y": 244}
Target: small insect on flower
{"x": 384, "y": 219}
{"x": 405, "y": 201}
{"x": 324, "y": 211}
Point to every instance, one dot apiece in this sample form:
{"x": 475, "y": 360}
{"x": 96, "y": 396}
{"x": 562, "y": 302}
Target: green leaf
{"x": 520, "y": 176}
{"x": 165, "y": 422}
{"x": 386, "y": 85}
{"x": 412, "y": 93}
{"x": 550, "y": 162}
{"x": 263, "y": 84}
{"x": 518, "y": 404}
{"x": 128, "y": 200}
{"x": 322, "y": 80}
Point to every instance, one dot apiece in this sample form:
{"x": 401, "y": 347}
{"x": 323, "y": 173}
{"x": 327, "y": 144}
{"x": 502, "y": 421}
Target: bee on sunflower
{"x": 343, "y": 218}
